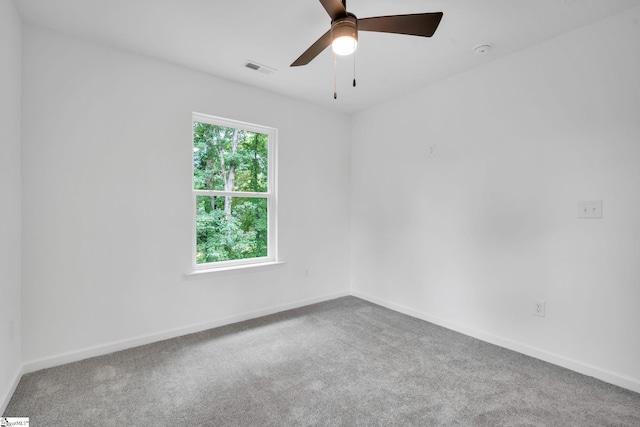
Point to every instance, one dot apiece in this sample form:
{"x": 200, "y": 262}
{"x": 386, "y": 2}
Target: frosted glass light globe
{"x": 344, "y": 45}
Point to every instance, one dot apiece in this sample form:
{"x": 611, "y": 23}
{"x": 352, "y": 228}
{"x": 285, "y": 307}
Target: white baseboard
{"x": 610, "y": 377}
{"x": 77, "y": 355}
{"x": 5, "y": 398}
{"x": 101, "y": 350}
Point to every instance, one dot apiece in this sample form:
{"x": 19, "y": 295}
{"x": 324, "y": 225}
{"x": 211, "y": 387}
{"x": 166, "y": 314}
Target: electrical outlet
{"x": 307, "y": 272}
{"x": 538, "y": 308}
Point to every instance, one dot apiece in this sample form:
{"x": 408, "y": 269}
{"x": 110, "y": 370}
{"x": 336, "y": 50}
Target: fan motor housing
{"x": 345, "y": 26}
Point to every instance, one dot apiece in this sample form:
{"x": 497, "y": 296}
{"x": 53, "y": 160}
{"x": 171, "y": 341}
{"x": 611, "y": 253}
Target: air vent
{"x": 252, "y": 65}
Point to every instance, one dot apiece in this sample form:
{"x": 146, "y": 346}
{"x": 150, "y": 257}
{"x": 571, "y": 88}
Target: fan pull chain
{"x": 335, "y": 85}
{"x": 354, "y": 69}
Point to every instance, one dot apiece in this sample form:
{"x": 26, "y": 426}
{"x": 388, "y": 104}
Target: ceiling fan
{"x": 343, "y": 35}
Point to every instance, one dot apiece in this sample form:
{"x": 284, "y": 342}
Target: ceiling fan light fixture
{"x": 344, "y": 35}
{"x": 345, "y": 27}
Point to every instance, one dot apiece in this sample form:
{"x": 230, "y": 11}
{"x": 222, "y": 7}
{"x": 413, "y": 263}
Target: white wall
{"x": 107, "y": 204}
{"x": 10, "y": 200}
{"x": 469, "y": 237}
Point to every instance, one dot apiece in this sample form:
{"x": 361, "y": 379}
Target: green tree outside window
{"x": 230, "y": 160}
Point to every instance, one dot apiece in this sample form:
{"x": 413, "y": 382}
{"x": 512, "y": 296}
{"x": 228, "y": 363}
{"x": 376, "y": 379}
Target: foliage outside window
{"x": 233, "y": 192}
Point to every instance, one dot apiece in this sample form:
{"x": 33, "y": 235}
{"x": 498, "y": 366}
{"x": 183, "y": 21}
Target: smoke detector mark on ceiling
{"x": 481, "y": 50}
{"x": 252, "y": 65}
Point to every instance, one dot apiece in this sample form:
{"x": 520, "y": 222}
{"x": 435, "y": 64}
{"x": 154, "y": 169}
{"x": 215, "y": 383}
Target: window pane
{"x": 230, "y": 228}
{"x": 228, "y": 159}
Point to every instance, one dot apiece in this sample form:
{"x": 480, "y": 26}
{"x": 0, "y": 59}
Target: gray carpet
{"x": 344, "y": 362}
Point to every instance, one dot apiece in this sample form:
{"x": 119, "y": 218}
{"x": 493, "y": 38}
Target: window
{"x": 234, "y": 193}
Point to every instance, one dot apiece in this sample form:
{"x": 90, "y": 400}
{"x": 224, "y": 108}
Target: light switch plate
{"x": 590, "y": 209}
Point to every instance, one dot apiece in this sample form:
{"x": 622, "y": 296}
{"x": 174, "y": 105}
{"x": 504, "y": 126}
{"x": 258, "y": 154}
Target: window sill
{"x": 236, "y": 269}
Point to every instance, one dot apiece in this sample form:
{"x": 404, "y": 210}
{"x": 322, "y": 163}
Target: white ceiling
{"x": 217, "y": 37}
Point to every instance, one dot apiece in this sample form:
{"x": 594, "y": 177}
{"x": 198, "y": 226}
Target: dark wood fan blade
{"x": 321, "y": 44}
{"x": 335, "y": 8}
{"x": 419, "y": 24}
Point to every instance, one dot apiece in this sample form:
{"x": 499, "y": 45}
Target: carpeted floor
{"x": 344, "y": 362}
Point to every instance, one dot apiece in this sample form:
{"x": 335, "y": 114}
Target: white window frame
{"x": 270, "y": 195}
